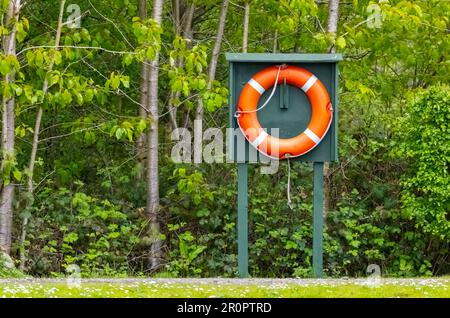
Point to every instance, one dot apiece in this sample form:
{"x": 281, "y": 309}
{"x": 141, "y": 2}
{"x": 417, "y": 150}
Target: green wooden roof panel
{"x": 282, "y": 57}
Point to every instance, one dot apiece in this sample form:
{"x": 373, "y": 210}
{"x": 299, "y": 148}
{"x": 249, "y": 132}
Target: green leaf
{"x": 7, "y": 91}
{"x": 340, "y": 42}
{"x": 17, "y": 175}
{"x": 70, "y": 237}
{"x": 119, "y": 133}
{"x": 150, "y": 54}
{"x": 76, "y": 37}
{"x": 128, "y": 59}
{"x": 69, "y": 83}
{"x": 18, "y": 90}
{"x": 89, "y": 95}
{"x": 185, "y": 89}
{"x": 125, "y": 81}
{"x": 67, "y": 97}
{"x": 183, "y": 249}
{"x": 21, "y": 34}
{"x": 79, "y": 98}
{"x": 30, "y": 57}
{"x": 142, "y": 125}
{"x": 26, "y": 23}
{"x": 115, "y": 82}
{"x": 199, "y": 67}
{"x": 39, "y": 59}
{"x": 130, "y": 134}
{"x": 201, "y": 84}
{"x": 3, "y": 31}
{"x": 53, "y": 79}
{"x": 57, "y": 57}
{"x": 127, "y": 125}
{"x": 4, "y": 67}
{"x": 193, "y": 255}
{"x": 6, "y": 172}
{"x": 177, "y": 85}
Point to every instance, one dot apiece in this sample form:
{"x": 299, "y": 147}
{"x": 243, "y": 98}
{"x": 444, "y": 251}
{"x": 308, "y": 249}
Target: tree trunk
{"x": 152, "y": 169}
{"x": 8, "y": 129}
{"x": 333, "y": 18}
{"x": 187, "y": 33}
{"x": 246, "y": 24}
{"x": 185, "y": 27}
{"x": 34, "y": 147}
{"x": 176, "y": 16}
{"x": 145, "y": 72}
{"x": 198, "y": 125}
{"x": 175, "y": 95}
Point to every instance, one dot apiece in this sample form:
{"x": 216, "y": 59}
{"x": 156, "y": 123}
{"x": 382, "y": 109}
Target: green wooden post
{"x": 318, "y": 220}
{"x": 242, "y": 225}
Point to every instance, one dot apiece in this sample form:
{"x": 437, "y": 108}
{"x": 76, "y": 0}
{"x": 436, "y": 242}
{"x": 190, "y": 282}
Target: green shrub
{"x": 71, "y": 227}
{"x": 424, "y": 135}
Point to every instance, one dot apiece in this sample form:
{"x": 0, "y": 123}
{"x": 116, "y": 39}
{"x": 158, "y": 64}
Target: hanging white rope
{"x": 238, "y": 112}
{"x": 288, "y": 190}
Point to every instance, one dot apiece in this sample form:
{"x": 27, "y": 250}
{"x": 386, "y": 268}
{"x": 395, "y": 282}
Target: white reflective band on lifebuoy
{"x": 308, "y": 132}
{"x": 256, "y": 86}
{"x": 263, "y": 135}
{"x": 309, "y": 83}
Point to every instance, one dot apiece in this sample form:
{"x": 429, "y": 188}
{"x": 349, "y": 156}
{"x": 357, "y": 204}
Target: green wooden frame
{"x": 325, "y": 67}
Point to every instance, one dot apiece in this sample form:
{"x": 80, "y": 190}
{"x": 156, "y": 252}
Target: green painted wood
{"x": 282, "y": 57}
{"x": 318, "y": 220}
{"x": 335, "y": 103}
{"x": 242, "y": 226}
{"x": 230, "y": 141}
{"x": 284, "y": 96}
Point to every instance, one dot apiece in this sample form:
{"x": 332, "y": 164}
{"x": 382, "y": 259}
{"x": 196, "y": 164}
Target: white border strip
{"x": 257, "y": 86}
{"x": 311, "y": 135}
{"x": 309, "y": 83}
{"x": 262, "y": 136}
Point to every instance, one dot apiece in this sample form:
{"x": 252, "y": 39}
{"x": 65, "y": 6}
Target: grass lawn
{"x": 227, "y": 288}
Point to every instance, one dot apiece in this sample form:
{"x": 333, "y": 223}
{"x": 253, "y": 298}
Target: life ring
{"x": 279, "y": 148}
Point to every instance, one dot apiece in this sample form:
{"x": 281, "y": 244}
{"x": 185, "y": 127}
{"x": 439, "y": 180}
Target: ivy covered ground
{"x": 228, "y": 288}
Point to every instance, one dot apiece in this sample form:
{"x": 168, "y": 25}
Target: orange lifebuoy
{"x": 279, "y": 148}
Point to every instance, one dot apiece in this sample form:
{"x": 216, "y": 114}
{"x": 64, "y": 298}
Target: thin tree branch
{"x": 74, "y": 47}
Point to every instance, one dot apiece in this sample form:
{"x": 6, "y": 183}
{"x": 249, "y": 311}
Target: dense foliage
{"x": 425, "y": 142}
{"x": 388, "y": 196}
